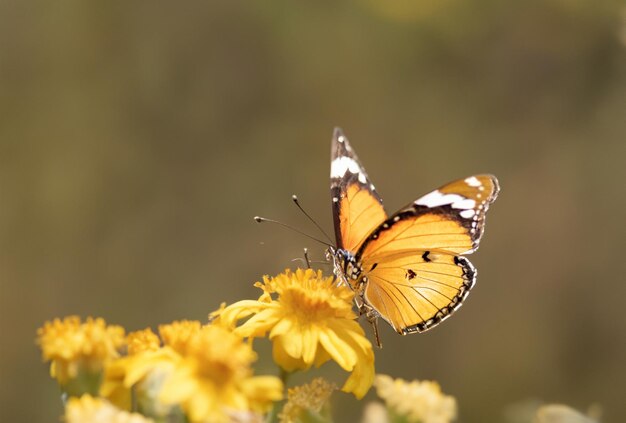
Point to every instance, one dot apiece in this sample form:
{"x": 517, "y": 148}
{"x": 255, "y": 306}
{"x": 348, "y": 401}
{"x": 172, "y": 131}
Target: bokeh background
{"x": 138, "y": 140}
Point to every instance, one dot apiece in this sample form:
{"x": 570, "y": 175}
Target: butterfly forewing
{"x": 413, "y": 232}
{"x": 357, "y": 208}
{"x": 450, "y": 218}
{"x": 465, "y": 201}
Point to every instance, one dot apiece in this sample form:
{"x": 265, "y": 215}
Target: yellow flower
{"x": 78, "y": 351}
{"x": 417, "y": 401}
{"x": 310, "y": 398}
{"x": 214, "y": 379}
{"x": 87, "y": 409}
{"x": 145, "y": 369}
{"x": 310, "y": 322}
{"x": 142, "y": 340}
{"x": 143, "y": 375}
{"x": 178, "y": 334}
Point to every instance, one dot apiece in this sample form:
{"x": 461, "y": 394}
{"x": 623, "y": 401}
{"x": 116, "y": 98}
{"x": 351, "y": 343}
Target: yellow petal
{"x": 292, "y": 342}
{"x": 284, "y": 360}
{"x": 262, "y": 390}
{"x": 202, "y": 404}
{"x": 282, "y": 327}
{"x": 177, "y": 387}
{"x": 309, "y": 344}
{"x": 362, "y": 376}
{"x": 240, "y": 310}
{"x": 321, "y": 357}
{"x": 259, "y": 324}
{"x": 338, "y": 349}
{"x": 360, "y": 380}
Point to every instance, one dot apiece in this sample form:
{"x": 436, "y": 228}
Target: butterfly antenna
{"x": 297, "y": 203}
{"x": 263, "y": 219}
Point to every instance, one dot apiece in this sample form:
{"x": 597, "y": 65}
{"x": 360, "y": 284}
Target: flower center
{"x": 308, "y": 305}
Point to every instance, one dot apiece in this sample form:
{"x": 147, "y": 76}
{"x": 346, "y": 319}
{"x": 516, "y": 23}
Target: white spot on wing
{"x": 341, "y": 165}
{"x": 341, "y": 138}
{"x": 472, "y": 181}
{"x": 437, "y": 198}
{"x": 467, "y": 214}
{"x": 466, "y": 203}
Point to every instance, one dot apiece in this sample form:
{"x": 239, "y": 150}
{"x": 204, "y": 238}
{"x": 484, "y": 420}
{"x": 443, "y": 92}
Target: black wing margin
{"x": 357, "y": 207}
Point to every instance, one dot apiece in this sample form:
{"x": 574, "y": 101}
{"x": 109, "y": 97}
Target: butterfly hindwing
{"x": 357, "y": 208}
{"x": 414, "y": 292}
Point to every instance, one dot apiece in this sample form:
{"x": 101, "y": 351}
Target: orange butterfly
{"x": 406, "y": 268}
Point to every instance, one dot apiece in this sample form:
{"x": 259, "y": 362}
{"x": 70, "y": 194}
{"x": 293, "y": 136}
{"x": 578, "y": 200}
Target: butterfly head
{"x": 345, "y": 266}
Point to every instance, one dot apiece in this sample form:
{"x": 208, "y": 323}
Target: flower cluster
{"x": 190, "y": 371}
{"x": 195, "y": 372}
{"x": 201, "y": 372}
{"x": 417, "y": 401}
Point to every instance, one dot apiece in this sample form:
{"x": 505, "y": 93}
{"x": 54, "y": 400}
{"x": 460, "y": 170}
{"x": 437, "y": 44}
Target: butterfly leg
{"x": 372, "y": 317}
{"x": 374, "y": 322}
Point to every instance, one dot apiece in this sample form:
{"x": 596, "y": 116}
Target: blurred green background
{"x": 138, "y": 140}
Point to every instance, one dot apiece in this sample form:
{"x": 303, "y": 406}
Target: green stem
{"x": 284, "y": 376}
{"x": 272, "y": 417}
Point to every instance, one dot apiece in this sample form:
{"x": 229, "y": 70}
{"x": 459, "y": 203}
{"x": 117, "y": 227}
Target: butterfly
{"x": 407, "y": 268}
